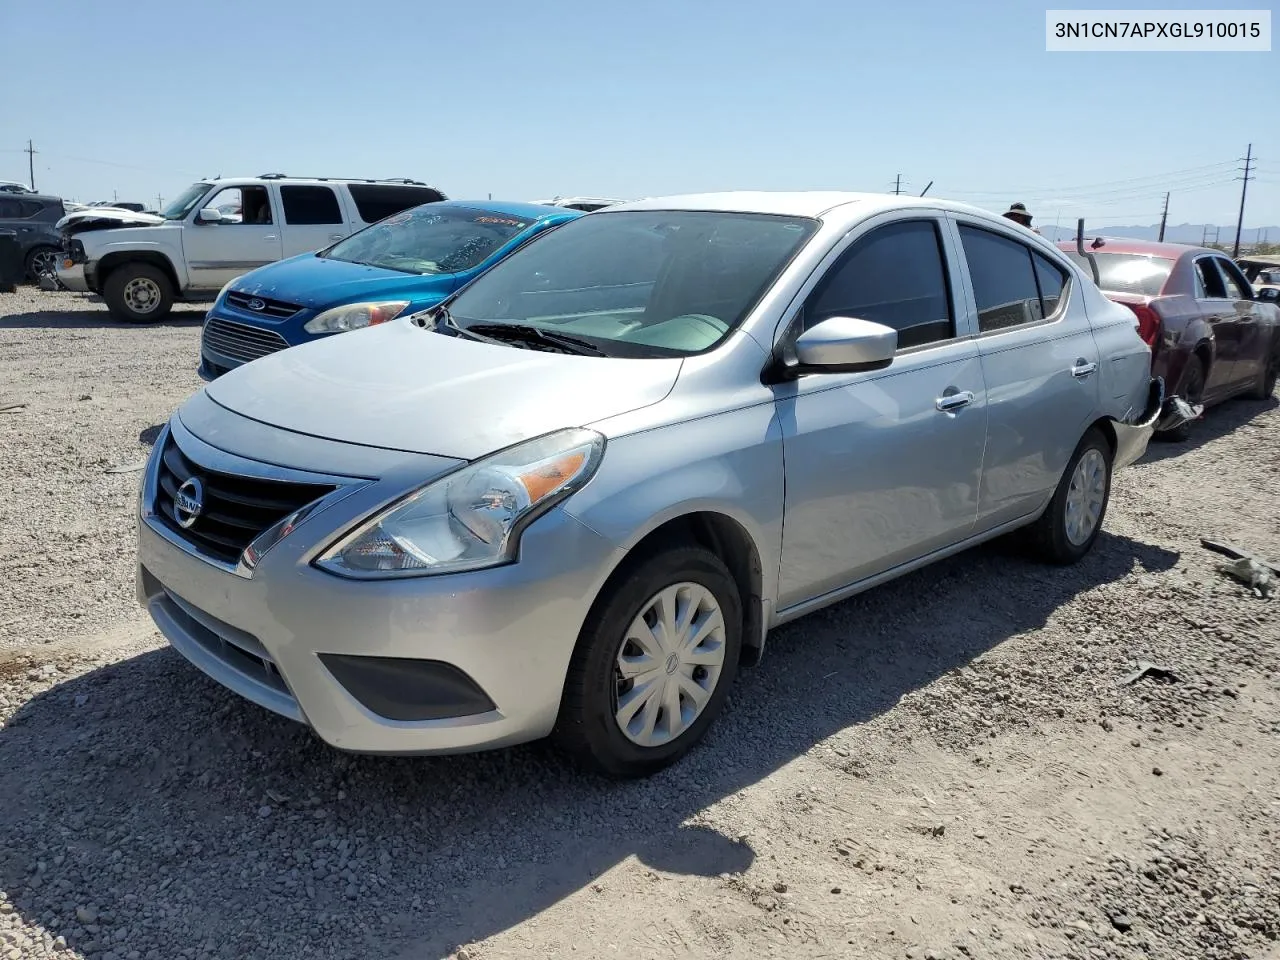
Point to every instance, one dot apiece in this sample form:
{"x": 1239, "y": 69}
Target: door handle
{"x": 950, "y": 402}
{"x": 270, "y": 239}
{"x": 1083, "y": 368}
{"x": 335, "y": 236}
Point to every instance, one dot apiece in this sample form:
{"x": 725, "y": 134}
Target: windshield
{"x": 430, "y": 239}
{"x": 1128, "y": 272}
{"x": 639, "y": 283}
{"x": 184, "y": 204}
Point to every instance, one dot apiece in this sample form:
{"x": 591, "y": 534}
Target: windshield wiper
{"x": 526, "y": 333}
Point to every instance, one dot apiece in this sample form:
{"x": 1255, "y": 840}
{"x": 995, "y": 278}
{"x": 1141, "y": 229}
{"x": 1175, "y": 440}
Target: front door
{"x": 1219, "y": 310}
{"x": 247, "y": 237}
{"x": 882, "y": 467}
{"x": 1040, "y": 363}
{"x": 1253, "y": 339}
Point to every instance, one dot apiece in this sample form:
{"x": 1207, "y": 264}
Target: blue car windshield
{"x": 429, "y": 239}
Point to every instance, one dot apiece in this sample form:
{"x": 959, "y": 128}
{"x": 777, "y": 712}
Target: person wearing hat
{"x": 1017, "y": 212}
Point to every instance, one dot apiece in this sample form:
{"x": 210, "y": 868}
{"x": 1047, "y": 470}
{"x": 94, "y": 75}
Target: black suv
{"x": 32, "y": 217}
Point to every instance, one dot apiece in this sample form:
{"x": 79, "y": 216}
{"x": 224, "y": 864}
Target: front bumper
{"x": 73, "y": 276}
{"x": 507, "y": 632}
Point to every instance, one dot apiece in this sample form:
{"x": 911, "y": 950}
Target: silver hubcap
{"x": 669, "y": 664}
{"x": 44, "y": 262}
{"x": 1085, "y": 496}
{"x": 141, "y": 295}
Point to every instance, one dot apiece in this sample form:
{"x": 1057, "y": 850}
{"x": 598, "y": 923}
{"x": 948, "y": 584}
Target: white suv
{"x": 216, "y": 231}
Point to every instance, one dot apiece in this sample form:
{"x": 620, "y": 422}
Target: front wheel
{"x": 1070, "y": 525}
{"x": 40, "y": 260}
{"x": 138, "y": 293}
{"x": 653, "y": 664}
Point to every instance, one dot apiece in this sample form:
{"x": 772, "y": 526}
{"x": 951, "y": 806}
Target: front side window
{"x": 242, "y": 205}
{"x": 638, "y": 283}
{"x": 309, "y": 205}
{"x": 1210, "y": 285}
{"x": 430, "y": 239}
{"x": 1234, "y": 281}
{"x": 10, "y": 209}
{"x": 1004, "y": 280}
{"x": 895, "y": 275}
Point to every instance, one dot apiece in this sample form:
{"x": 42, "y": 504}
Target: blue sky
{"x": 527, "y": 100}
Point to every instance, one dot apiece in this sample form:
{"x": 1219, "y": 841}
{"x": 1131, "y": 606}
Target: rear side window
{"x": 1235, "y": 282}
{"x": 309, "y": 205}
{"x": 10, "y": 209}
{"x": 376, "y": 201}
{"x": 1004, "y": 280}
{"x": 1052, "y": 279}
{"x": 894, "y": 275}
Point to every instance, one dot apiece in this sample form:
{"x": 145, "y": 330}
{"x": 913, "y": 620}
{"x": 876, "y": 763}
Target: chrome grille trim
{"x": 240, "y": 341}
{"x": 276, "y": 309}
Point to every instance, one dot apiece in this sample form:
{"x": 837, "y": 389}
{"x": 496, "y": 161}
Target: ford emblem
{"x": 256, "y": 304}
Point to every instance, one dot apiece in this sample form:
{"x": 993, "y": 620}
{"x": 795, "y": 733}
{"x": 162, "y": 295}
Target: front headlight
{"x": 229, "y": 284}
{"x": 472, "y": 518}
{"x": 353, "y": 316}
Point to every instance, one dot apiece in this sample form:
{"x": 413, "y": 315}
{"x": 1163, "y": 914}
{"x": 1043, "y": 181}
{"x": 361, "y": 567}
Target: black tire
{"x": 1266, "y": 383}
{"x": 116, "y": 291}
{"x": 586, "y": 727}
{"x": 1191, "y": 390}
{"x": 1047, "y": 537}
{"x": 34, "y": 259}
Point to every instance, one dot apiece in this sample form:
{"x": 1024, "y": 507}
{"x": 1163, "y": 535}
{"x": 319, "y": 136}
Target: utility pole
{"x": 159, "y": 202}
{"x": 115, "y": 195}
{"x": 31, "y": 152}
{"x": 1244, "y": 186}
{"x": 1164, "y": 217}
{"x": 1204, "y": 235}
{"x": 897, "y": 186}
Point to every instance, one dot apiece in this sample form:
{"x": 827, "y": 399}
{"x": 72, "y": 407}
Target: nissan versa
{"x": 401, "y": 265}
{"x": 575, "y": 496}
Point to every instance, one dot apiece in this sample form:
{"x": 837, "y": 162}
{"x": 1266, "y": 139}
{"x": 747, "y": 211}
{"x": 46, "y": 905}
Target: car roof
{"x": 803, "y": 203}
{"x": 513, "y": 208}
{"x": 1146, "y": 248}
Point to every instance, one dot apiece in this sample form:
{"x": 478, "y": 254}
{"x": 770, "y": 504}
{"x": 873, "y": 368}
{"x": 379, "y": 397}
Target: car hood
{"x": 312, "y": 281}
{"x": 400, "y": 387}
{"x": 106, "y": 218}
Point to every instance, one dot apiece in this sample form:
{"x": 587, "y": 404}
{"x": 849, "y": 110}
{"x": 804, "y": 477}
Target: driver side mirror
{"x": 844, "y": 345}
{"x": 1269, "y": 295}
{"x": 209, "y": 215}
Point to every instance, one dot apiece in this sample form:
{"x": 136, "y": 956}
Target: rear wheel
{"x": 138, "y": 293}
{"x": 1070, "y": 525}
{"x": 1192, "y": 391}
{"x": 654, "y": 663}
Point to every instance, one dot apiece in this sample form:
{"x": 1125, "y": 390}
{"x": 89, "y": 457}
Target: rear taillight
{"x": 1148, "y": 322}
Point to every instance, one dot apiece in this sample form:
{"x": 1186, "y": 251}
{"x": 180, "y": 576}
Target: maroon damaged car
{"x": 1211, "y": 338}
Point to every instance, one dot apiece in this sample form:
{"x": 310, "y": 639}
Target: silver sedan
{"x": 576, "y": 497}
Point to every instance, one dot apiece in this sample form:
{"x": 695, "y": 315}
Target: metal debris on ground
{"x": 1187, "y": 411}
{"x": 1148, "y": 669}
{"x": 127, "y": 467}
{"x": 1259, "y": 575}
{"x": 1259, "y": 579}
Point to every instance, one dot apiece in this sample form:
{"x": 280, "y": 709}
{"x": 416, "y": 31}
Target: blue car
{"x": 405, "y": 263}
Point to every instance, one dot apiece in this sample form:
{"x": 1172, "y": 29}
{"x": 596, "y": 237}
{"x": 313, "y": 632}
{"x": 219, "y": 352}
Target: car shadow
{"x": 1217, "y": 421}
{"x": 182, "y": 316}
{"x": 154, "y": 786}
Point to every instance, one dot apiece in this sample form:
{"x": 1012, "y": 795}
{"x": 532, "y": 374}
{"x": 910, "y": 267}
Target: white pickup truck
{"x": 217, "y": 230}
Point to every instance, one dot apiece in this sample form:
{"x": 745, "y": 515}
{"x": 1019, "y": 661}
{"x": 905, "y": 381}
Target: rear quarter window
{"x": 377, "y": 201}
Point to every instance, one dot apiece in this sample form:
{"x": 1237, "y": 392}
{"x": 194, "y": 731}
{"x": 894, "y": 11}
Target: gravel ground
{"x": 949, "y": 766}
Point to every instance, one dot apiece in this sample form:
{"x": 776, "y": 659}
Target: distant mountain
{"x": 1193, "y": 233}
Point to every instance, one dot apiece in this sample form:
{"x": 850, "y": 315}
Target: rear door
{"x": 1219, "y": 311}
{"x": 1040, "y": 363}
{"x": 312, "y": 218}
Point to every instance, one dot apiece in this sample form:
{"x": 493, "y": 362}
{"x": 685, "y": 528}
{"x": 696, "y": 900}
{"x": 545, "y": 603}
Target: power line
{"x": 1154, "y": 177}
{"x": 1244, "y": 186}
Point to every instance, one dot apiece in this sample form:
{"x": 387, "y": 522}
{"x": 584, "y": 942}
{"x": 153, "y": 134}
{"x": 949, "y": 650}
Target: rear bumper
{"x": 1132, "y": 437}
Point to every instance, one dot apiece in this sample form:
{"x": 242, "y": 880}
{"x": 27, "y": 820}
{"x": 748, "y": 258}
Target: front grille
{"x": 239, "y": 341}
{"x": 236, "y": 509}
{"x": 276, "y": 309}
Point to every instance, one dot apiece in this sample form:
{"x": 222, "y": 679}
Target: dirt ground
{"x": 949, "y": 766}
